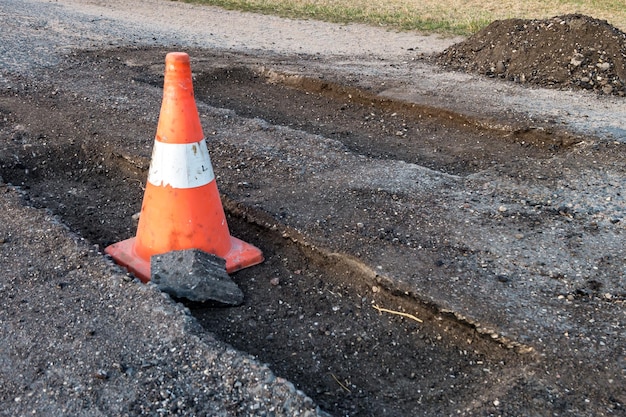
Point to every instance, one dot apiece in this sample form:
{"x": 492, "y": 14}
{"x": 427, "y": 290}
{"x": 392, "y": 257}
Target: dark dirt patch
{"x": 374, "y": 126}
{"x": 315, "y": 320}
{"x": 571, "y": 51}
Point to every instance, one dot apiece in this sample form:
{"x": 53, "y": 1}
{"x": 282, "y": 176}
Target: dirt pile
{"x": 571, "y": 51}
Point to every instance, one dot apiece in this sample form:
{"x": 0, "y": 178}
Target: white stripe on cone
{"x": 180, "y": 165}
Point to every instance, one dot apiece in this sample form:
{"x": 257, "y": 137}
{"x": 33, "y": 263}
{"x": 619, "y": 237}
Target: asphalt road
{"x": 56, "y": 357}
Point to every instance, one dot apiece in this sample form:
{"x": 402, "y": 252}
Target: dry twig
{"x": 399, "y": 313}
{"x": 340, "y": 384}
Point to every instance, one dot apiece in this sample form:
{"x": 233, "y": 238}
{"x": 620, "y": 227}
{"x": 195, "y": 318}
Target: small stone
{"x": 607, "y": 89}
{"x": 275, "y": 281}
{"x": 194, "y": 275}
{"x": 101, "y": 374}
{"x": 577, "y": 59}
{"x": 503, "y": 278}
{"x": 502, "y": 209}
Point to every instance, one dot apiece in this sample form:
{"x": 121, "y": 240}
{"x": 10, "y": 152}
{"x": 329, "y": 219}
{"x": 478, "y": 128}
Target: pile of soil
{"x": 570, "y": 51}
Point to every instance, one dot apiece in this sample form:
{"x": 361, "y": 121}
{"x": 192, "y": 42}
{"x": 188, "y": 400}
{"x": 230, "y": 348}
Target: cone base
{"x": 241, "y": 255}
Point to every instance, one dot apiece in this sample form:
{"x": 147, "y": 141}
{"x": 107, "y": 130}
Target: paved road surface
{"x": 61, "y": 338}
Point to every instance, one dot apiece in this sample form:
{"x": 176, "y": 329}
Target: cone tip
{"x": 176, "y": 58}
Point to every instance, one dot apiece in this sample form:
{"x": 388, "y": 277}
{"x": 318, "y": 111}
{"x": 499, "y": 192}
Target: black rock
{"x": 194, "y": 275}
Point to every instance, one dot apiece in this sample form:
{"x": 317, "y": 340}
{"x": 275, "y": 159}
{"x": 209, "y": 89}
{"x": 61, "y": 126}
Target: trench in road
{"x": 309, "y": 313}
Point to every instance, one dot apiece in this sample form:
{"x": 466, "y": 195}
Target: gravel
{"x": 80, "y": 337}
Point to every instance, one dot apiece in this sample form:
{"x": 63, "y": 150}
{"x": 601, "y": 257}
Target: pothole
{"x": 363, "y": 121}
{"x": 371, "y": 125}
{"x": 356, "y": 347}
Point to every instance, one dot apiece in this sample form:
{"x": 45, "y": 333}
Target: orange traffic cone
{"x": 181, "y": 206}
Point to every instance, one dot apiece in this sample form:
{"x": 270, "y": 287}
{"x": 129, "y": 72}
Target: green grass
{"x": 452, "y": 17}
